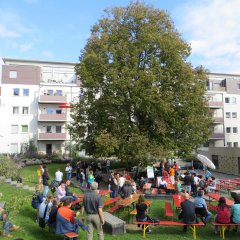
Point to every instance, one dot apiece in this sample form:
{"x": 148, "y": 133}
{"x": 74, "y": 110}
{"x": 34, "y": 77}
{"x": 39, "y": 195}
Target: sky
{"x": 57, "y": 30}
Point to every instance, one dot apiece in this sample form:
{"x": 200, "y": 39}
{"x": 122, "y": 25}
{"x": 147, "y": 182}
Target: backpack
{"x": 36, "y": 200}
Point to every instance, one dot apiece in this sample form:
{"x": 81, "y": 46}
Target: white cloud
{"x": 212, "y": 28}
{"x": 11, "y": 25}
{"x": 47, "y": 54}
{"x": 26, "y": 47}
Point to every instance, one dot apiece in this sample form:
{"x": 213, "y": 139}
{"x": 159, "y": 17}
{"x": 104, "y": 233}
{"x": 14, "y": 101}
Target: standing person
{"x": 223, "y": 213}
{"x": 92, "y": 204}
{"x": 82, "y": 177}
{"x": 187, "y": 214}
{"x": 78, "y": 170}
{"x": 45, "y": 207}
{"x": 58, "y": 176}
{"x": 53, "y": 214}
{"x": 108, "y": 163}
{"x": 201, "y": 207}
{"x": 45, "y": 178}
{"x": 176, "y": 168}
{"x": 113, "y": 185}
{"x": 39, "y": 174}
{"x": 68, "y": 170}
{"x": 187, "y": 182}
{"x": 171, "y": 174}
{"x": 90, "y": 179}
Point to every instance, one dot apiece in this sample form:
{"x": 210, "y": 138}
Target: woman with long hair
{"x": 223, "y": 213}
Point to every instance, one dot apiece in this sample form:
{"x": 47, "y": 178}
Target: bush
{"x": 8, "y": 167}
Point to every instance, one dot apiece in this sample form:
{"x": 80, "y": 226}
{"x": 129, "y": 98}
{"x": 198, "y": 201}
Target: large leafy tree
{"x": 140, "y": 97}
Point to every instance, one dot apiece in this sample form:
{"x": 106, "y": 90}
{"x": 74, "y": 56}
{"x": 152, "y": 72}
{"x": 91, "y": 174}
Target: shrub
{"x": 8, "y": 167}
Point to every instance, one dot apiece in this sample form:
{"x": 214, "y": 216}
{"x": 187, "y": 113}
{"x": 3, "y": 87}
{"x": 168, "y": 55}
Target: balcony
{"x": 52, "y": 136}
{"x": 217, "y": 136}
{"x": 52, "y": 99}
{"x": 215, "y": 104}
{"x": 52, "y": 117}
{"x": 217, "y": 120}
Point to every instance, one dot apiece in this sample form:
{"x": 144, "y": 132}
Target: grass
{"x": 18, "y": 201}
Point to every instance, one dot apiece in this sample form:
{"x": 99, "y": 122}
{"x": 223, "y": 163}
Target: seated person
{"x": 223, "y": 213}
{"x": 127, "y": 189}
{"x": 212, "y": 185}
{"x": 7, "y": 226}
{"x": 68, "y": 193}
{"x": 178, "y": 185}
{"x": 162, "y": 183}
{"x": 187, "y": 213}
{"x": 142, "y": 211}
{"x": 45, "y": 207}
{"x": 201, "y": 207}
{"x": 53, "y": 214}
{"x": 235, "y": 211}
{"x": 66, "y": 219}
{"x": 61, "y": 192}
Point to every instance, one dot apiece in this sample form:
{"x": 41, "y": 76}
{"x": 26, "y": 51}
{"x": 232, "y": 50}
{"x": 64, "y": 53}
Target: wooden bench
{"x": 114, "y": 208}
{"x": 171, "y": 223}
{"x": 70, "y": 235}
{"x": 111, "y": 200}
{"x": 168, "y": 209}
{"x": 223, "y": 227}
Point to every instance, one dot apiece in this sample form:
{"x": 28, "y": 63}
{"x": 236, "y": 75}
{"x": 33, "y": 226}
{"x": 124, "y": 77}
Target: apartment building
{"x": 223, "y": 93}
{"x": 34, "y": 104}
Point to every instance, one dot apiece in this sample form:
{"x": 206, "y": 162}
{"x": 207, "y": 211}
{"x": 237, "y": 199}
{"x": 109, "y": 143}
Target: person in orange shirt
{"x": 171, "y": 174}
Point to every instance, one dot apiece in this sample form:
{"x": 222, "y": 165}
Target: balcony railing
{"x": 217, "y": 120}
{"x": 52, "y": 99}
{"x": 215, "y": 104}
{"x": 217, "y": 136}
{"x": 53, "y": 117}
{"x": 52, "y": 136}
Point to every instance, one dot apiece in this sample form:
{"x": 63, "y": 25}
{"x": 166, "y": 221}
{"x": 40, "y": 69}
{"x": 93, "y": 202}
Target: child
{"x": 223, "y": 213}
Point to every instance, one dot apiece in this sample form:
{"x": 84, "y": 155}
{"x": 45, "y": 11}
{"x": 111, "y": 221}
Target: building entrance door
{"x": 48, "y": 149}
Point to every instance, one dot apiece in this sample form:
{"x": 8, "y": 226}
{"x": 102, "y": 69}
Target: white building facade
{"x": 32, "y": 107}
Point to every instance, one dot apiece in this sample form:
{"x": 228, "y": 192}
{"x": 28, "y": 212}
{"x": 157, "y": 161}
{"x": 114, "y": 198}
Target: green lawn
{"x": 22, "y": 214}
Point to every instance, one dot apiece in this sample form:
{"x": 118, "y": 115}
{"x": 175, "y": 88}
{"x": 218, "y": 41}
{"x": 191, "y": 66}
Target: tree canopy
{"x": 140, "y": 98}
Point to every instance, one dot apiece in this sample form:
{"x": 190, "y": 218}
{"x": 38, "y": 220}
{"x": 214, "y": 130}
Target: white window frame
{"x": 14, "y": 129}
{"x": 27, "y": 92}
{"x": 17, "y": 108}
{"x": 12, "y": 74}
{"x": 227, "y": 130}
{"x": 234, "y": 130}
{"x": 234, "y": 115}
{"x": 228, "y": 114}
{"x": 14, "y": 92}
{"x": 235, "y": 144}
{"x": 27, "y": 108}
{"x": 22, "y": 127}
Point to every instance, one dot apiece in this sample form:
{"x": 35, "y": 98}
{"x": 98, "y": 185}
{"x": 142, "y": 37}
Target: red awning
{"x": 65, "y": 106}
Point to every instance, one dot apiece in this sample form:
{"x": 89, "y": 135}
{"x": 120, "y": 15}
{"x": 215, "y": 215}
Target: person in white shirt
{"x": 68, "y": 170}
{"x": 58, "y": 176}
{"x": 212, "y": 186}
{"x": 121, "y": 181}
{"x": 162, "y": 183}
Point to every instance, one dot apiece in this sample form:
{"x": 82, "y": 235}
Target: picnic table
{"x": 177, "y": 200}
{"x": 216, "y": 197}
{"x": 128, "y": 202}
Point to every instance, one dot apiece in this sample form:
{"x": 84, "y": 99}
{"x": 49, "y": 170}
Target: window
{"x": 15, "y": 110}
{"x": 228, "y": 115}
{"x": 16, "y": 92}
{"x": 233, "y": 100}
{"x": 14, "y": 129}
{"x": 24, "y": 128}
{"x": 229, "y": 144}
{"x": 49, "y": 129}
{"x": 227, "y": 100}
{"x": 58, "y": 129}
{"x": 235, "y": 144}
{"x": 25, "y": 110}
{"x": 12, "y": 74}
{"x": 49, "y": 92}
{"x": 59, "y": 111}
{"x": 228, "y": 130}
{"x": 59, "y": 92}
{"x": 49, "y": 110}
{"x": 25, "y": 92}
{"x": 235, "y": 130}
{"x": 234, "y": 114}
